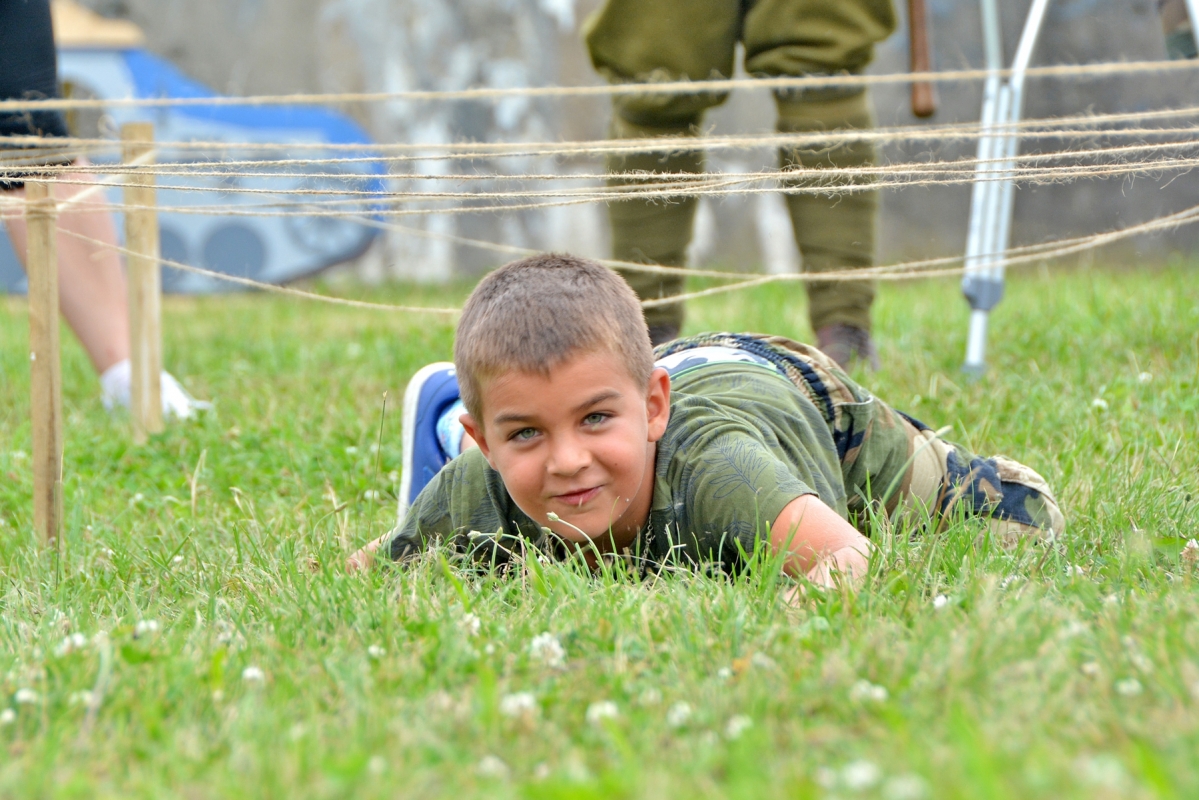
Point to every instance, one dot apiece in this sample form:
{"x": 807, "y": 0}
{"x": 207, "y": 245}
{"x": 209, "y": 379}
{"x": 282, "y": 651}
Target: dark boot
{"x": 663, "y": 333}
{"x": 845, "y": 344}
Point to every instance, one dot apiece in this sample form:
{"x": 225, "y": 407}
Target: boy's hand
{"x": 819, "y": 544}
{"x": 847, "y": 565}
{"x": 365, "y": 556}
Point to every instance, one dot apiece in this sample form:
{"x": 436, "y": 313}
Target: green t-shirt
{"x": 742, "y": 442}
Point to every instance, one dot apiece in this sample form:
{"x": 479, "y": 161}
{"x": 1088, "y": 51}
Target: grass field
{"x": 196, "y": 637}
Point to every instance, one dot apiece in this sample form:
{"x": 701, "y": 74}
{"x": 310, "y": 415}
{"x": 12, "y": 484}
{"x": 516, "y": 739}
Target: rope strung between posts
{"x": 640, "y": 185}
{"x": 665, "y": 144}
{"x": 819, "y": 180}
{"x": 788, "y": 84}
{"x": 1025, "y": 128}
{"x": 267, "y": 287}
{"x": 667, "y": 194}
{"x": 895, "y": 272}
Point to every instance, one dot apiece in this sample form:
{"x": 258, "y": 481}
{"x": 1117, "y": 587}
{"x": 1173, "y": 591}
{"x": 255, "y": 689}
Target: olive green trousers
{"x": 656, "y": 40}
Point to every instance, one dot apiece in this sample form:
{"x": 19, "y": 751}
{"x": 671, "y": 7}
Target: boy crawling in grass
{"x": 559, "y": 426}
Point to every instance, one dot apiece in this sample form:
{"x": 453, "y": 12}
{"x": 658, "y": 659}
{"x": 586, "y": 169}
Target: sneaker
{"x": 845, "y": 344}
{"x": 116, "y": 389}
{"x": 432, "y": 390}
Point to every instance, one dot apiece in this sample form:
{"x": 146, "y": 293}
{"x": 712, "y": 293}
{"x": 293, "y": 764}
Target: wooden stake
{"x": 46, "y": 371}
{"x": 145, "y": 286}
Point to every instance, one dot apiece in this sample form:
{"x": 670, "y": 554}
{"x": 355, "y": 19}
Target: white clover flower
{"x": 865, "y": 691}
{"x": 1145, "y": 377}
{"x": 7, "y": 717}
{"x": 724, "y": 673}
{"x": 145, "y": 626}
{"x": 940, "y": 601}
{"x": 762, "y": 661}
{"x": 1190, "y": 552}
{"x": 905, "y": 787}
{"x": 81, "y": 698}
{"x": 1099, "y": 404}
{"x": 678, "y": 715}
{"x": 470, "y": 624}
{"x": 377, "y": 765}
{"x": 1141, "y": 662}
{"x": 603, "y": 710}
{"x": 737, "y": 725}
{"x": 1090, "y": 669}
{"x": 69, "y": 644}
{"x": 1102, "y": 770}
{"x": 177, "y": 560}
{"x": 253, "y": 675}
{"x": 1129, "y": 687}
{"x": 492, "y": 767}
{"x": 25, "y": 697}
{"x": 375, "y": 651}
{"x": 858, "y": 776}
{"x": 1074, "y": 628}
{"x": 1075, "y": 571}
{"x": 546, "y": 648}
{"x": 519, "y": 704}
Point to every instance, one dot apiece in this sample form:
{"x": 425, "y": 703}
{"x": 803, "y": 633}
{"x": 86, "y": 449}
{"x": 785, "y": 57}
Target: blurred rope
{"x": 895, "y": 272}
{"x": 1061, "y": 71}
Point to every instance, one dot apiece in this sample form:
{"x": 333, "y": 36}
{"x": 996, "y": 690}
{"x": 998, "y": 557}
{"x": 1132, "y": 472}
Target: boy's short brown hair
{"x": 533, "y": 314}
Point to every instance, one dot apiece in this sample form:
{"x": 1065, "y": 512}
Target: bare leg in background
{"x": 92, "y": 292}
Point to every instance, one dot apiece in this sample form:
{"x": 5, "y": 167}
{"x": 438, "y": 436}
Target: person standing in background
{"x": 673, "y": 40}
{"x": 92, "y": 291}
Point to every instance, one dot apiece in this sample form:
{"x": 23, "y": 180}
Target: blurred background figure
{"x": 92, "y": 284}
{"x": 1178, "y": 28}
{"x": 658, "y": 40}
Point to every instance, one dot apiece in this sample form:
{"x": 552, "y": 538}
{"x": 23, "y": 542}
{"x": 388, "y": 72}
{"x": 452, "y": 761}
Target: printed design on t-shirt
{"x": 683, "y": 361}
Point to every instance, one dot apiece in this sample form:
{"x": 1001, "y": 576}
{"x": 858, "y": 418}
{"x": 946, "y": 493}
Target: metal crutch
{"x": 993, "y": 193}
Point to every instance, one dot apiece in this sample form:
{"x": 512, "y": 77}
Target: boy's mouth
{"x": 579, "y": 496}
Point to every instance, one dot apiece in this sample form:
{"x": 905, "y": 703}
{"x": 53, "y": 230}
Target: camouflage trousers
{"x": 656, "y": 40}
{"x": 897, "y": 465}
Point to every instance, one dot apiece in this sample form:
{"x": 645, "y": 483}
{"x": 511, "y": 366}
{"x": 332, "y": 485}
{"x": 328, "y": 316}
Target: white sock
{"x": 116, "y": 388}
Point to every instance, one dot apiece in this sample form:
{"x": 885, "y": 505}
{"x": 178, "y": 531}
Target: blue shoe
{"x": 432, "y": 390}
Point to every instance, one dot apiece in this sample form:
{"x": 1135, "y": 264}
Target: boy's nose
{"x": 568, "y": 457}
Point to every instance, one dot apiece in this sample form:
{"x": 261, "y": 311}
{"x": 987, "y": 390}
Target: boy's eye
{"x": 523, "y": 435}
{"x": 594, "y": 419}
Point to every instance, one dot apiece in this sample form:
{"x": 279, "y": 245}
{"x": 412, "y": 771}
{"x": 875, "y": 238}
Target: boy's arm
{"x": 816, "y": 541}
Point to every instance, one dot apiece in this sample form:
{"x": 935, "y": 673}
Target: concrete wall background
{"x": 279, "y": 46}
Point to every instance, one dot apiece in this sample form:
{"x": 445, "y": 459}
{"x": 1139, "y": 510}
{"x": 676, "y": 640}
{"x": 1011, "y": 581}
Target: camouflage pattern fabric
{"x": 658, "y": 40}
{"x": 893, "y": 463}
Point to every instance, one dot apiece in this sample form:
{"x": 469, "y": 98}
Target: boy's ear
{"x": 657, "y": 403}
{"x": 475, "y": 431}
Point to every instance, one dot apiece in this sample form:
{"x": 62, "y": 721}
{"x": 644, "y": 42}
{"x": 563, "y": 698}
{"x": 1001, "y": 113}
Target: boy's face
{"x": 579, "y": 443}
